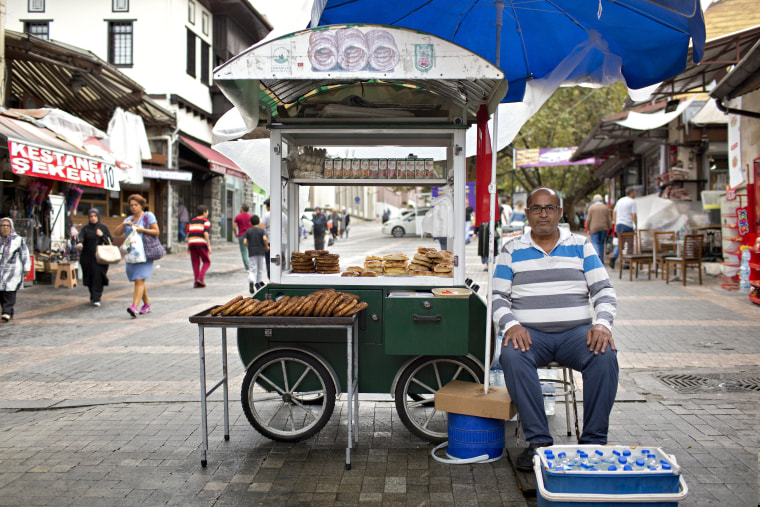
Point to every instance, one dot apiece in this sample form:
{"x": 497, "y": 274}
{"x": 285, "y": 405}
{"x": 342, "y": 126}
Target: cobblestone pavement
{"x": 100, "y": 409}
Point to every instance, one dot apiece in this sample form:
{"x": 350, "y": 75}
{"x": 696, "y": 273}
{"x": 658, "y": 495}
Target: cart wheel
{"x": 415, "y": 392}
{"x": 288, "y": 395}
{"x": 398, "y": 232}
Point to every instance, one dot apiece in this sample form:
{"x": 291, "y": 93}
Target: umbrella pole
{"x": 493, "y": 206}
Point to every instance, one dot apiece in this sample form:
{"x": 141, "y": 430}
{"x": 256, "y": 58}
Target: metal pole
{"x": 499, "y": 4}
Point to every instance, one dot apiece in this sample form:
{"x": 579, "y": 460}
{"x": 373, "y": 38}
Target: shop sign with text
{"x": 30, "y": 160}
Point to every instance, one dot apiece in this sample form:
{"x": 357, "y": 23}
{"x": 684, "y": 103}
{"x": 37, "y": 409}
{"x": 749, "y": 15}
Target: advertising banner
{"x": 542, "y": 157}
{"x": 28, "y": 159}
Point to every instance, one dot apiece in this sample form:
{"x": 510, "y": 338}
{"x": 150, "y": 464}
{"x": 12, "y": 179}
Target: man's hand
{"x": 598, "y": 338}
{"x": 519, "y": 336}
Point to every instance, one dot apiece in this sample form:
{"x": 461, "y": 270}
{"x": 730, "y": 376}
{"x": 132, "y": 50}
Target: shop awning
{"x": 218, "y": 163}
{"x": 37, "y": 151}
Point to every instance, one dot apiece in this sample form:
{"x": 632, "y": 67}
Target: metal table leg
{"x": 204, "y": 414}
{"x": 349, "y": 391}
{"x": 225, "y": 387}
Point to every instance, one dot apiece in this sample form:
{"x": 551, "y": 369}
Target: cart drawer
{"x": 426, "y": 325}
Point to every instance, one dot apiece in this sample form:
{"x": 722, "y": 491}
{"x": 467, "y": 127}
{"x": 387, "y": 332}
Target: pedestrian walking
{"x": 257, "y": 244}
{"x": 15, "y": 265}
{"x": 346, "y": 223}
{"x": 184, "y": 218}
{"x": 241, "y": 224}
{"x": 320, "y": 227}
{"x": 624, "y": 218}
{"x": 94, "y": 274}
{"x": 267, "y": 222}
{"x": 335, "y": 224}
{"x": 199, "y": 245}
{"x": 598, "y": 223}
{"x": 143, "y": 222}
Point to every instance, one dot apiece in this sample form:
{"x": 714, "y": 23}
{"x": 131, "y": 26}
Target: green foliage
{"x": 564, "y": 120}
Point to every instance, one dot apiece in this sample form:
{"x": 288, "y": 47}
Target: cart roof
{"x": 360, "y": 74}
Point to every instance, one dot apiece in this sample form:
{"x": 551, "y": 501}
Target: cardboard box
{"x": 469, "y": 398}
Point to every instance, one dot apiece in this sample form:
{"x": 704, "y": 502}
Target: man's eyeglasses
{"x": 550, "y": 209}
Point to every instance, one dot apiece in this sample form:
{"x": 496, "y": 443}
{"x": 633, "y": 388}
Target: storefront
{"x": 216, "y": 182}
{"x": 45, "y": 182}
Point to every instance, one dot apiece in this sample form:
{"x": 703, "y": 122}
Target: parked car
{"x": 405, "y": 224}
{"x": 308, "y": 226}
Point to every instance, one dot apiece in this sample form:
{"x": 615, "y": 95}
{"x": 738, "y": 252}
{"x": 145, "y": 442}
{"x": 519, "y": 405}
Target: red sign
{"x": 217, "y": 168}
{"x": 32, "y": 160}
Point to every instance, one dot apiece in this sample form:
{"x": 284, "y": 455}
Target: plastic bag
{"x": 135, "y": 248}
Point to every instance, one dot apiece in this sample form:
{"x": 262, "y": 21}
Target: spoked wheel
{"x": 415, "y": 392}
{"x": 288, "y": 395}
{"x": 398, "y": 232}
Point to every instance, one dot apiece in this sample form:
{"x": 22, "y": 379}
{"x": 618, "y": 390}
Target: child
{"x": 256, "y": 240}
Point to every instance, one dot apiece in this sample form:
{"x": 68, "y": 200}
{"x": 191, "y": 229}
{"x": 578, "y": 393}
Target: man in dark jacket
{"x": 320, "y": 226}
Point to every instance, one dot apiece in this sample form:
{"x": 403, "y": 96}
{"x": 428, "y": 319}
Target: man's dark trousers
{"x": 600, "y": 380}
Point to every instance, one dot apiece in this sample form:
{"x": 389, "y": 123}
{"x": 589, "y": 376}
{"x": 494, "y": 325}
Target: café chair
{"x": 691, "y": 255}
{"x": 646, "y": 241}
{"x": 664, "y": 246}
{"x": 629, "y": 252}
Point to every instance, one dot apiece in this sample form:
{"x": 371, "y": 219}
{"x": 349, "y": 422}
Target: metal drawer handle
{"x": 427, "y": 318}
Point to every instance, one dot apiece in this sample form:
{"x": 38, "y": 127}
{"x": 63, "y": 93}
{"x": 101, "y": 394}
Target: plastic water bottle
{"x": 604, "y": 458}
{"x": 496, "y": 375}
{"x": 548, "y": 389}
{"x": 744, "y": 286}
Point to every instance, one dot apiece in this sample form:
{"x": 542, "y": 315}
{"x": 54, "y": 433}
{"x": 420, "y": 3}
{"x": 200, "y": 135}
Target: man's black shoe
{"x": 612, "y": 262}
{"x": 524, "y": 461}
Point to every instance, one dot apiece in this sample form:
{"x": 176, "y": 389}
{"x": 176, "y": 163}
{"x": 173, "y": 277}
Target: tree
{"x": 564, "y": 120}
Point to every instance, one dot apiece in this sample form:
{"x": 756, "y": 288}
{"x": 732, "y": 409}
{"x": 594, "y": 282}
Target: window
{"x": 120, "y": 5}
{"x": 205, "y": 23}
{"x": 205, "y": 61}
{"x": 191, "y": 12}
{"x": 39, "y": 29}
{"x": 36, "y": 6}
{"x": 120, "y": 43}
{"x": 191, "y": 53}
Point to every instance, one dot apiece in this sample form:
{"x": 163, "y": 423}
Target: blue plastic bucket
{"x": 471, "y": 436}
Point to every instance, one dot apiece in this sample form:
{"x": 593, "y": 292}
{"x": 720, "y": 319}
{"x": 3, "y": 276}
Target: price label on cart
{"x": 742, "y": 215}
{"x": 731, "y": 194}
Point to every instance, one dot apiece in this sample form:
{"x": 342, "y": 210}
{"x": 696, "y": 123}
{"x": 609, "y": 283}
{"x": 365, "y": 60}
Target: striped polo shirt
{"x": 195, "y": 230}
{"x": 551, "y": 292}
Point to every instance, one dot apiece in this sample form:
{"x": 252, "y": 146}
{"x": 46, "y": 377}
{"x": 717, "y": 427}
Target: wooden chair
{"x": 664, "y": 246}
{"x": 646, "y": 241}
{"x": 629, "y": 252}
{"x": 691, "y": 254}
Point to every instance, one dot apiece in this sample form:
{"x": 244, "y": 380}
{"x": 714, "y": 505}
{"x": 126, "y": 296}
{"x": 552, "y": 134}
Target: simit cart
{"x": 357, "y": 86}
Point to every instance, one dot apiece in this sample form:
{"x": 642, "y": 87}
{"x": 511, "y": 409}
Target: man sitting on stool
{"x": 542, "y": 284}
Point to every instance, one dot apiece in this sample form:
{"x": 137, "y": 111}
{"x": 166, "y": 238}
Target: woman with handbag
{"x": 15, "y": 264}
{"x": 94, "y": 274}
{"x": 144, "y": 224}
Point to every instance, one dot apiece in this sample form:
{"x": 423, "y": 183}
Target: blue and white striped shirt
{"x": 551, "y": 292}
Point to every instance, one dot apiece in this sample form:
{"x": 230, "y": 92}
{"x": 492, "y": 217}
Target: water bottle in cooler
{"x": 744, "y": 286}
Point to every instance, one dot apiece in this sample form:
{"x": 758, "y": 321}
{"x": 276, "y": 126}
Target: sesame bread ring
{"x": 315, "y": 253}
{"x": 221, "y": 308}
{"x": 368, "y": 274}
{"x": 231, "y": 309}
{"x": 361, "y": 305}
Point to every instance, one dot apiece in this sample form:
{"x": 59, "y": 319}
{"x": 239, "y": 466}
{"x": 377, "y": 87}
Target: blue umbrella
{"x": 651, "y": 37}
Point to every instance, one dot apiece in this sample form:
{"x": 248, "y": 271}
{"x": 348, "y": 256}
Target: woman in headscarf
{"x": 14, "y": 266}
{"x": 94, "y": 275}
{"x": 144, "y": 222}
